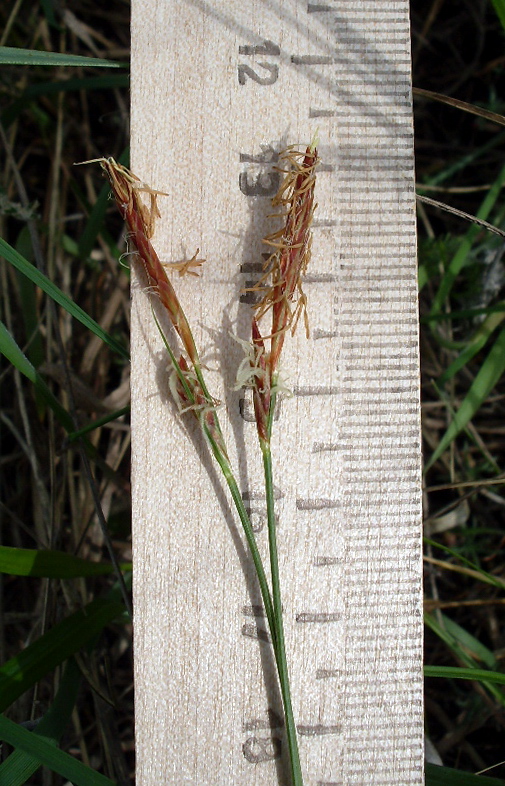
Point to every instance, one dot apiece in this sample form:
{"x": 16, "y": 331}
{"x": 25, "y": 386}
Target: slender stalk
{"x": 282, "y": 666}
{"x": 249, "y": 533}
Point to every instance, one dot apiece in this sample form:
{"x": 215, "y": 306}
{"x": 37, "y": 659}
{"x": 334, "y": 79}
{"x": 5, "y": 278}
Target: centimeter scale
{"x": 219, "y": 88}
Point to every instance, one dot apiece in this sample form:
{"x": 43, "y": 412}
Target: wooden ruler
{"x": 218, "y": 88}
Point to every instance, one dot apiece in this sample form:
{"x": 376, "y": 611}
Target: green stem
{"x": 249, "y": 533}
{"x": 280, "y": 645}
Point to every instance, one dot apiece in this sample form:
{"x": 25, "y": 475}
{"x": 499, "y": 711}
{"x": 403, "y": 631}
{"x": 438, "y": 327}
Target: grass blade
{"x": 58, "y": 761}
{"x": 13, "y": 353}
{"x": 21, "y": 672}
{"x": 475, "y": 344}
{"x": 50, "y": 564}
{"x": 28, "y": 96}
{"x": 446, "y": 776}
{"x": 20, "y": 766}
{"x": 11, "y": 55}
{"x": 499, "y": 7}
{"x": 75, "y": 435}
{"x": 489, "y": 374}
{"x": 458, "y": 673}
{"x": 460, "y": 257}
{"x": 47, "y": 286}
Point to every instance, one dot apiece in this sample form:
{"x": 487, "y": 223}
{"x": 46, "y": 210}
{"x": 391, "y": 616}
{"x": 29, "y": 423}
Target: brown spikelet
{"x": 139, "y": 218}
{"x": 285, "y": 268}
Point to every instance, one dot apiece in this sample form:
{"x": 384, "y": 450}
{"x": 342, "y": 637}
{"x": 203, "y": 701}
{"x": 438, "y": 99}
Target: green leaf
{"x": 466, "y": 648}
{"x": 58, "y": 761}
{"x": 20, "y": 766}
{"x": 12, "y": 352}
{"x": 459, "y": 673}
{"x": 480, "y": 574}
{"x": 11, "y": 55}
{"x": 47, "y": 286}
{"x": 20, "y": 673}
{"x": 476, "y": 343}
{"x": 499, "y": 7}
{"x": 446, "y": 776}
{"x": 50, "y": 564}
{"x": 460, "y": 257}
{"x": 74, "y": 435}
{"x": 110, "y": 81}
{"x": 489, "y": 374}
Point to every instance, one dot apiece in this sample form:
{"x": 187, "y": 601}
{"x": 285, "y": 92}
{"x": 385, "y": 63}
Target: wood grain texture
{"x": 218, "y": 88}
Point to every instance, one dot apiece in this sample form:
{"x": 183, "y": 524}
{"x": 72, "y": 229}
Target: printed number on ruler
{"x": 246, "y": 71}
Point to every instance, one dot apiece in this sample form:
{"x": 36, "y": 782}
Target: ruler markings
{"x": 384, "y": 111}
{"x": 316, "y": 504}
{"x": 313, "y": 8}
{"x": 368, "y": 275}
{"x": 253, "y": 611}
{"x": 326, "y": 561}
{"x": 398, "y": 504}
{"x": 318, "y": 334}
{"x": 384, "y": 323}
{"x": 328, "y": 674}
{"x": 318, "y": 730}
{"x": 250, "y": 631}
{"x": 318, "y": 278}
{"x": 406, "y": 364}
{"x": 358, "y": 466}
{"x": 315, "y": 390}
{"x": 383, "y": 251}
{"x": 319, "y": 618}
{"x": 377, "y": 431}
{"x": 362, "y": 459}
{"x": 315, "y": 112}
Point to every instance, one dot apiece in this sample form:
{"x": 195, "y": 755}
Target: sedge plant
{"x": 280, "y": 306}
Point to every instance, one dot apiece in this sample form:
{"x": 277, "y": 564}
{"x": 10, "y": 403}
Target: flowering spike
{"x": 288, "y": 263}
{"x": 126, "y": 188}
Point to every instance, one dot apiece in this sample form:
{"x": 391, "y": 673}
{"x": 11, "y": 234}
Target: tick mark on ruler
{"x": 312, "y": 60}
{"x": 252, "y": 632}
{"x": 321, "y": 447}
{"x": 253, "y": 611}
{"x": 332, "y": 616}
{"x": 266, "y": 48}
{"x": 316, "y": 503}
{"x": 314, "y": 8}
{"x": 315, "y": 390}
{"x": 313, "y": 112}
{"x": 260, "y": 749}
{"x": 326, "y": 674}
{"x": 317, "y": 334}
{"x": 251, "y": 495}
{"x": 274, "y": 722}
{"x": 318, "y": 223}
{"x": 324, "y": 561}
{"x": 318, "y": 730}
{"x": 319, "y": 278}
